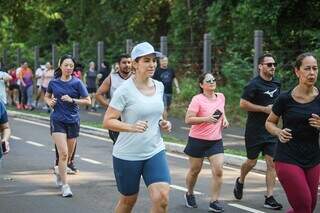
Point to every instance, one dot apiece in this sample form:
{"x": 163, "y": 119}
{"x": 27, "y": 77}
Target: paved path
{"x": 26, "y": 180}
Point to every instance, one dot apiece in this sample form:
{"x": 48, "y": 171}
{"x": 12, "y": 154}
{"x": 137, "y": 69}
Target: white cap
{"x": 143, "y": 49}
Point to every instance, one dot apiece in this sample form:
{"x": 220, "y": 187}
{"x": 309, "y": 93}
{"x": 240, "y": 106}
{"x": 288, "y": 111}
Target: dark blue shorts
{"x": 264, "y": 148}
{"x": 167, "y": 98}
{"x": 199, "y": 148}
{"x": 128, "y": 173}
{"x": 71, "y": 129}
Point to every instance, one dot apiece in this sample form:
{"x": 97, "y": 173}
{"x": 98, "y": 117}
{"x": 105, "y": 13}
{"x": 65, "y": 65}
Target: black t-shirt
{"x": 104, "y": 72}
{"x": 260, "y": 92}
{"x": 303, "y": 149}
{"x": 166, "y": 76}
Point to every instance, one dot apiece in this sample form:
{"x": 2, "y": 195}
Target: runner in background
{"x": 14, "y": 88}
{"x": 257, "y": 99}
{"x": 4, "y": 130}
{"x": 39, "y": 73}
{"x": 111, "y": 83}
{"x": 64, "y": 94}
{"x": 167, "y": 76}
{"x": 91, "y": 82}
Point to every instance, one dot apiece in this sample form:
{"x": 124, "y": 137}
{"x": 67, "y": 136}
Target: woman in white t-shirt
{"x": 139, "y": 149}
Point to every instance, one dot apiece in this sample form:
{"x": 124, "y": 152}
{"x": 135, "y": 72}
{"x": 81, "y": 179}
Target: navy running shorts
{"x": 128, "y": 173}
{"x": 71, "y": 129}
{"x": 199, "y": 148}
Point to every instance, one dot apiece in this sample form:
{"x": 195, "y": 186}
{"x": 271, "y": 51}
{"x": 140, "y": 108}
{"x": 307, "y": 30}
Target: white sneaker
{"x": 66, "y": 191}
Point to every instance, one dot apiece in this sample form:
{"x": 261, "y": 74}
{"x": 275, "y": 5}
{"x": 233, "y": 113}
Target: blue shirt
{"x": 64, "y": 111}
{"x": 3, "y": 114}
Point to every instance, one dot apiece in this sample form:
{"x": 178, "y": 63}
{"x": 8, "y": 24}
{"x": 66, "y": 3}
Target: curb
{"x": 229, "y": 159}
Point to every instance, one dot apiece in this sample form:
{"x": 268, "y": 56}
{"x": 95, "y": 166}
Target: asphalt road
{"x": 27, "y": 183}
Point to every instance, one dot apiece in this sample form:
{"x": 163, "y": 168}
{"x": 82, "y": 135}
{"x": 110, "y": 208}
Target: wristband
{"x": 160, "y": 122}
{"x": 73, "y": 101}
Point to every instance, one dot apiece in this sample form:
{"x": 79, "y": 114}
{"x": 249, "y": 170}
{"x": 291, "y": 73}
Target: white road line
{"x": 96, "y": 137}
{"x": 234, "y": 136}
{"x": 35, "y": 143}
{"x": 91, "y": 161}
{"x": 15, "y": 137}
{"x": 245, "y": 208}
{"x": 95, "y": 113}
{"x": 109, "y": 140}
{"x": 32, "y": 122}
{"x": 185, "y": 128}
{"x": 185, "y": 189}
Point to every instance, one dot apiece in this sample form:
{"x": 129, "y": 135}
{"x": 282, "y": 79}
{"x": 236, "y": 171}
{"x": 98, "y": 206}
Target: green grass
{"x": 92, "y": 124}
{"x": 44, "y": 114}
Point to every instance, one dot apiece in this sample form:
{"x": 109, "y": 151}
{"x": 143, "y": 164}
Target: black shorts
{"x": 71, "y": 129}
{"x": 92, "y": 90}
{"x": 44, "y": 89}
{"x": 14, "y": 86}
{"x": 199, "y": 148}
{"x": 264, "y": 148}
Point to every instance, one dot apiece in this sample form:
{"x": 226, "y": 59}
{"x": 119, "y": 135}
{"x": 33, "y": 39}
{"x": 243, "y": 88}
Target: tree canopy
{"x": 290, "y": 27}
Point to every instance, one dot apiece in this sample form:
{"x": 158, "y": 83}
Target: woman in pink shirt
{"x": 207, "y": 116}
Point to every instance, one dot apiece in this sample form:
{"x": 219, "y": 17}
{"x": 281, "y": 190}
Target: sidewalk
{"x": 232, "y": 137}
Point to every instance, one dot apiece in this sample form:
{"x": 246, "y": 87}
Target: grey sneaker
{"x": 238, "y": 189}
{"x": 66, "y": 191}
{"x": 216, "y": 206}
{"x": 72, "y": 169}
{"x": 271, "y": 203}
{"x": 190, "y": 200}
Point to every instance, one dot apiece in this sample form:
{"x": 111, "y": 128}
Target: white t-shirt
{"x": 17, "y": 74}
{"x": 3, "y": 94}
{"x": 135, "y": 106}
{"x": 39, "y": 73}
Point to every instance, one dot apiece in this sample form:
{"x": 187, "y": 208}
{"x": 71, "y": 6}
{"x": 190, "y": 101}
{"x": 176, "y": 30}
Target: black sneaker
{"x": 216, "y": 206}
{"x": 72, "y": 169}
{"x": 238, "y": 189}
{"x": 190, "y": 201}
{"x": 271, "y": 203}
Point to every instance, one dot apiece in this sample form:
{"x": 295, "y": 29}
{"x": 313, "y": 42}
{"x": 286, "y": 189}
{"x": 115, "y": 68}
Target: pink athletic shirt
{"x": 203, "y": 107}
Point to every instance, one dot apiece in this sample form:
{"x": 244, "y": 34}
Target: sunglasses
{"x": 270, "y": 64}
{"x": 210, "y": 81}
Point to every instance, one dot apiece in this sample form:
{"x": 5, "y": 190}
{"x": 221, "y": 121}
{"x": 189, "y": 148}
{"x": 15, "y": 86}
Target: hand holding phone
{"x": 217, "y": 114}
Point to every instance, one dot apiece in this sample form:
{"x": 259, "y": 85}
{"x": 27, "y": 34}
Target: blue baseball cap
{"x": 143, "y": 49}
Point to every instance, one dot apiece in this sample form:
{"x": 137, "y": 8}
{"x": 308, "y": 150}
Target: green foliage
{"x": 290, "y": 27}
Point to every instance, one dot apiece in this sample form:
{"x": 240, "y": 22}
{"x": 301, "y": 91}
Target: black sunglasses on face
{"x": 270, "y": 64}
{"x": 210, "y": 81}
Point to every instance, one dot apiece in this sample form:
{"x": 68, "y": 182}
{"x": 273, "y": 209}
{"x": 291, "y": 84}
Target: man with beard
{"x": 111, "y": 83}
{"x": 257, "y": 99}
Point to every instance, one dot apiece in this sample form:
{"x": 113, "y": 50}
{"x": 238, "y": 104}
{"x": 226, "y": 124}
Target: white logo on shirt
{"x": 270, "y": 93}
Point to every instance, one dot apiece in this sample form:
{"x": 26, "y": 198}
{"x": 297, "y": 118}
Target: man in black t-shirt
{"x": 167, "y": 77}
{"x": 257, "y": 99}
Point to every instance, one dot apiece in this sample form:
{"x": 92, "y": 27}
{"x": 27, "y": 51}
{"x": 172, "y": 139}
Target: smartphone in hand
{"x": 217, "y": 114}
{"x": 3, "y": 146}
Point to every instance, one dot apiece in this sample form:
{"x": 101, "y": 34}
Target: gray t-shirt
{"x": 135, "y": 106}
